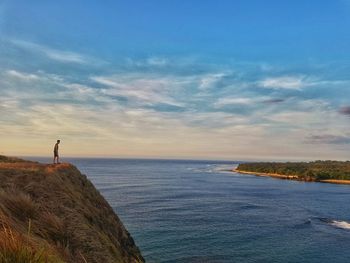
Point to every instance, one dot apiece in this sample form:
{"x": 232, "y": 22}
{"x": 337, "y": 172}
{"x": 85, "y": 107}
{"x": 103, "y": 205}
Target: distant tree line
{"x": 311, "y": 171}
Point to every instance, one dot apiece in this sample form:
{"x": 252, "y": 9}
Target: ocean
{"x": 197, "y": 211}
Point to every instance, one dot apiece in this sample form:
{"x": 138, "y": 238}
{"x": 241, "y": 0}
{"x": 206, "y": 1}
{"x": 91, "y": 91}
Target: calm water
{"x": 192, "y": 211}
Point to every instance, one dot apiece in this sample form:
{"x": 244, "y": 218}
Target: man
{"x": 55, "y": 153}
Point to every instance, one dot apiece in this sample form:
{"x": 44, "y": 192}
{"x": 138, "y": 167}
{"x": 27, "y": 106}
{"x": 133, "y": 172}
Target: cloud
{"x": 157, "y": 61}
{"x": 234, "y": 101}
{"x": 43, "y": 87}
{"x": 141, "y": 88}
{"x": 298, "y": 82}
{"x": 21, "y": 75}
{"x": 273, "y": 101}
{"x": 129, "y": 109}
{"x": 285, "y": 82}
{"x": 56, "y": 54}
{"x": 209, "y": 81}
{"x": 328, "y": 139}
{"x": 162, "y": 63}
{"x": 345, "y": 110}
{"x": 253, "y": 100}
{"x": 298, "y": 114}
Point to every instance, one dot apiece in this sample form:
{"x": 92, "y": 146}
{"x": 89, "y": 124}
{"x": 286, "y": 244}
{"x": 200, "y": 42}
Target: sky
{"x": 185, "y": 79}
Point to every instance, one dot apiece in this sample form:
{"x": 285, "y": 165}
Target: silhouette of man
{"x": 55, "y": 153}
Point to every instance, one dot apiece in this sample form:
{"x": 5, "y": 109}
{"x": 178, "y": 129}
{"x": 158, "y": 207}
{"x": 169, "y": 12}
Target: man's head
{"x": 58, "y": 141}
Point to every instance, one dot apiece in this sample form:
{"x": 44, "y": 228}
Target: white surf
{"x": 340, "y": 224}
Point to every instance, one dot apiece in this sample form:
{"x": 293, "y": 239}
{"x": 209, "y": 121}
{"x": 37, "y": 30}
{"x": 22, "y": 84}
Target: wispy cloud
{"x": 141, "y": 88}
{"x": 161, "y": 62}
{"x": 301, "y": 113}
{"x": 209, "y": 81}
{"x": 273, "y": 101}
{"x": 157, "y": 61}
{"x": 137, "y": 109}
{"x": 328, "y": 139}
{"x": 285, "y": 82}
{"x": 22, "y": 75}
{"x": 58, "y": 55}
{"x": 345, "y": 110}
{"x": 253, "y": 100}
{"x": 234, "y": 101}
{"x": 148, "y": 62}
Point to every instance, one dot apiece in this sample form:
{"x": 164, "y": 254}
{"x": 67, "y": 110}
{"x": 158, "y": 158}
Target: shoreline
{"x": 291, "y": 177}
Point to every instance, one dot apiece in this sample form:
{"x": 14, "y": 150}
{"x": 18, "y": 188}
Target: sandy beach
{"x": 291, "y": 177}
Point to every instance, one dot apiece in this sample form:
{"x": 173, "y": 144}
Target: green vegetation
{"x": 312, "y": 171}
{"x": 54, "y": 214}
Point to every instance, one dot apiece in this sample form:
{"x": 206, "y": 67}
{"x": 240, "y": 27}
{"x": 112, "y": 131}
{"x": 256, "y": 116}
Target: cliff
{"x": 53, "y": 213}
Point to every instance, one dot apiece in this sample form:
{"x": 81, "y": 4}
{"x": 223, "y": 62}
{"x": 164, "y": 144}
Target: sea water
{"x": 198, "y": 211}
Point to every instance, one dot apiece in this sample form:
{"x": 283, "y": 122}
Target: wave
{"x": 335, "y": 223}
{"x": 340, "y": 224}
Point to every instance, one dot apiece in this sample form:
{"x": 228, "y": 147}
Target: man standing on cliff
{"x": 55, "y": 153}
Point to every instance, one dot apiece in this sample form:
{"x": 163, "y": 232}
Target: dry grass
{"x": 55, "y": 229}
{"x": 6, "y": 159}
{"x": 52, "y": 213}
{"x": 16, "y": 247}
{"x": 17, "y": 204}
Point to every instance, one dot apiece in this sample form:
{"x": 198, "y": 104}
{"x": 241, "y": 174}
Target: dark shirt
{"x": 55, "y": 150}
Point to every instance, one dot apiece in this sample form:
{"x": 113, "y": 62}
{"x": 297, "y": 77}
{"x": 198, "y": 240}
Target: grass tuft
{"x": 17, "y": 204}
{"x": 17, "y": 248}
{"x": 55, "y": 229}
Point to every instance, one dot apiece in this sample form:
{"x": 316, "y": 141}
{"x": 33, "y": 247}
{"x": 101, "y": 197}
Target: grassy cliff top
{"x": 313, "y": 171}
{"x": 53, "y": 213}
{"x": 6, "y": 159}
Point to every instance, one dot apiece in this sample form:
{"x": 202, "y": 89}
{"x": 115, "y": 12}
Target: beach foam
{"x": 340, "y": 224}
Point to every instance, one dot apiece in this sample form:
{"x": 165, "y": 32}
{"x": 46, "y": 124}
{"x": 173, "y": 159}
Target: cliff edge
{"x": 53, "y": 213}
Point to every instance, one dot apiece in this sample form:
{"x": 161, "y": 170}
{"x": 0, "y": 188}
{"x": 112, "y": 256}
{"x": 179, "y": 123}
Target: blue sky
{"x": 176, "y": 79}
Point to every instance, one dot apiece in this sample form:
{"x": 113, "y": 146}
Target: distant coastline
{"x": 292, "y": 177}
{"x": 320, "y": 171}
